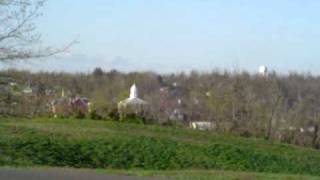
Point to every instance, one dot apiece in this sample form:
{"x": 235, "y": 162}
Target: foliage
{"x": 79, "y": 115}
{"x": 206, "y": 175}
{"x": 94, "y": 115}
{"x": 280, "y": 107}
{"x": 96, "y": 144}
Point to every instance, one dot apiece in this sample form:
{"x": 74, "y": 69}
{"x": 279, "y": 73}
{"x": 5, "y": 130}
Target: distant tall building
{"x": 263, "y": 71}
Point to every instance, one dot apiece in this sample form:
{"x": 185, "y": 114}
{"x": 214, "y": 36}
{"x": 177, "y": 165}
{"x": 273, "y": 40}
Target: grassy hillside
{"x": 94, "y": 144}
{"x": 165, "y": 174}
{"x": 209, "y": 175}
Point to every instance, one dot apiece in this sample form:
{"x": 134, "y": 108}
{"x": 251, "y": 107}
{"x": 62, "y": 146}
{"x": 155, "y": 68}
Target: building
{"x": 263, "y": 71}
{"x": 133, "y": 104}
{"x": 202, "y": 126}
{"x": 66, "y": 106}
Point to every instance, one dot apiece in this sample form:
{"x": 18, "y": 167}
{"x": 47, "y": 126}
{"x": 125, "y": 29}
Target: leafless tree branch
{"x": 18, "y": 37}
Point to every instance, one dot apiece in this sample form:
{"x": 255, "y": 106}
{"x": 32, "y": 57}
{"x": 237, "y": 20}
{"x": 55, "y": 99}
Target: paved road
{"x": 58, "y": 174}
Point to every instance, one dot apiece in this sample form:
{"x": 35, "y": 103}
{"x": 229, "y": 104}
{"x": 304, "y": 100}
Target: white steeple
{"x": 133, "y": 92}
{"x": 62, "y": 93}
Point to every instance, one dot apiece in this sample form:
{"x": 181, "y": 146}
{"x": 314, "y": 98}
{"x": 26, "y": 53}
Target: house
{"x": 59, "y": 107}
{"x": 79, "y": 105}
{"x": 66, "y": 106}
{"x": 202, "y": 126}
{"x": 177, "y": 115}
{"x": 27, "y": 90}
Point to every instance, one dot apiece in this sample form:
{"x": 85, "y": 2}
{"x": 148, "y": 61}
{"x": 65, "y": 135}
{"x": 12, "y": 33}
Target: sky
{"x": 181, "y": 35}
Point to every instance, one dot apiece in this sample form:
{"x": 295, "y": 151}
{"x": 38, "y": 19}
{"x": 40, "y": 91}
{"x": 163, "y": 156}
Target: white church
{"x": 133, "y": 104}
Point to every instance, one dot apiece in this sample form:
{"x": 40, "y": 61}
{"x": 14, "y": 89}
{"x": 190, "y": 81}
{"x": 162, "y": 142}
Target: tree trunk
{"x": 315, "y": 137}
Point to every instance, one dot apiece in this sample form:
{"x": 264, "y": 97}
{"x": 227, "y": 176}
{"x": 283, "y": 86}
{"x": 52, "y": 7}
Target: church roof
{"x": 133, "y": 98}
{"x": 133, "y": 101}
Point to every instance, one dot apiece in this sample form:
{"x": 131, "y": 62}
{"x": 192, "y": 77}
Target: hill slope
{"x": 94, "y": 144}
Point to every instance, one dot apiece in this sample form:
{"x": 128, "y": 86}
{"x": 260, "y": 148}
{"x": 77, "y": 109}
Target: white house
{"x": 202, "y": 126}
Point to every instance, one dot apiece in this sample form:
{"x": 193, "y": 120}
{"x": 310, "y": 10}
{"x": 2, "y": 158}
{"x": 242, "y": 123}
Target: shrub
{"x": 132, "y": 118}
{"x": 94, "y": 115}
{"x": 79, "y": 114}
{"x": 143, "y": 152}
{"x": 166, "y": 149}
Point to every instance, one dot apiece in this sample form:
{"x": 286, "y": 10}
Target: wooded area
{"x": 277, "y": 107}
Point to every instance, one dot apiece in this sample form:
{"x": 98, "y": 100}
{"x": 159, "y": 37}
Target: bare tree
{"x": 18, "y": 37}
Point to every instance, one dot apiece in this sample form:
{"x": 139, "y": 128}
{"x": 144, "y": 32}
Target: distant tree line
{"x": 278, "y": 107}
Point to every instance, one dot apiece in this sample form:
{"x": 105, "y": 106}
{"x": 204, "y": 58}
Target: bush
{"x": 113, "y": 114}
{"x": 143, "y": 152}
{"x": 153, "y": 149}
{"x": 132, "y": 118}
{"x": 79, "y": 114}
{"x": 94, "y": 115}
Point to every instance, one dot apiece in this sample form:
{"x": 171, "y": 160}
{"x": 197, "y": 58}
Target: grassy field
{"x": 173, "y": 175}
{"x": 157, "y": 150}
{"x": 208, "y": 175}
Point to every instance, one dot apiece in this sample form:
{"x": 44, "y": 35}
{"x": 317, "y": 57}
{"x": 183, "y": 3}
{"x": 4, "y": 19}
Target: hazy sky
{"x": 179, "y": 35}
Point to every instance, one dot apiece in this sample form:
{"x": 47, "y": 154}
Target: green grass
{"x": 208, "y": 175}
{"x": 112, "y": 145}
{"x": 177, "y": 174}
